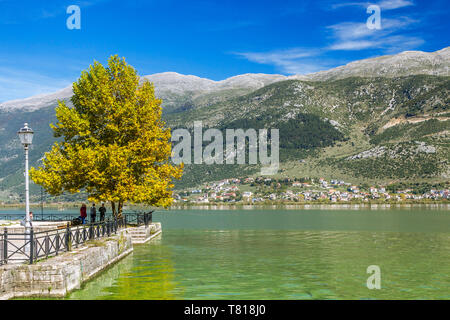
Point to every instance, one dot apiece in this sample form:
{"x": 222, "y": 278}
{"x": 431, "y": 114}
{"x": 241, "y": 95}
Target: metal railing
{"x": 23, "y": 247}
{"x": 140, "y": 219}
{"x": 135, "y": 218}
{"x": 48, "y": 216}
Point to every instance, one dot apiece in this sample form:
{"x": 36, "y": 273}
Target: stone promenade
{"x": 57, "y": 276}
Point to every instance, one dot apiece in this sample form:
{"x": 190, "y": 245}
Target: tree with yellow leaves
{"x": 115, "y": 145}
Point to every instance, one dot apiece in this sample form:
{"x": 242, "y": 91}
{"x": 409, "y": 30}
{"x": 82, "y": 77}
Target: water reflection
{"x": 148, "y": 273}
{"x": 285, "y": 254}
{"x": 275, "y": 264}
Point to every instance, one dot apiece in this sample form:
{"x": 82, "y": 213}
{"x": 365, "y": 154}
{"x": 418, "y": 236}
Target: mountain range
{"x": 378, "y": 120}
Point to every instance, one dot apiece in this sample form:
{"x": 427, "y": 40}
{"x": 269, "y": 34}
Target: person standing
{"x": 24, "y": 221}
{"x": 83, "y": 213}
{"x": 93, "y": 213}
{"x": 102, "y": 211}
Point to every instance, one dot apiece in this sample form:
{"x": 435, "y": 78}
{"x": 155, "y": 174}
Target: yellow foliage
{"x": 115, "y": 145}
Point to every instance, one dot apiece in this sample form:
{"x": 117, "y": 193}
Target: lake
{"x": 285, "y": 254}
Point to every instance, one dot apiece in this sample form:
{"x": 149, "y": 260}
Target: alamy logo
{"x": 73, "y": 21}
{"x": 374, "y": 21}
{"x": 374, "y": 281}
{"x": 235, "y": 147}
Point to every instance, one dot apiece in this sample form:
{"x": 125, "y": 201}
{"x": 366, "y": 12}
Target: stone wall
{"x": 58, "y": 276}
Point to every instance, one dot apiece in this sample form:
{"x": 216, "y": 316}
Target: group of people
{"x": 93, "y": 213}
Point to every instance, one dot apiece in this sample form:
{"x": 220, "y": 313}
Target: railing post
{"x": 68, "y": 237}
{"x": 47, "y": 245}
{"x": 77, "y": 236}
{"x": 125, "y": 220}
{"x": 57, "y": 243}
{"x": 31, "y": 245}
{"x": 90, "y": 231}
{"x": 5, "y": 245}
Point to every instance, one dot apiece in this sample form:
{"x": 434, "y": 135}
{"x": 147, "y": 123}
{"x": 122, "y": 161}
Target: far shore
{"x": 243, "y": 206}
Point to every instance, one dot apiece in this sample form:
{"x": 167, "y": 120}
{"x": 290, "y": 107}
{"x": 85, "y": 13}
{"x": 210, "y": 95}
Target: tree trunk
{"x": 119, "y": 210}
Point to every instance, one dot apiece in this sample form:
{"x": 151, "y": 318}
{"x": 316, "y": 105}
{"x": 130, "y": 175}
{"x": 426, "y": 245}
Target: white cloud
{"x": 390, "y": 45}
{"x": 17, "y": 84}
{"x": 356, "y": 36}
{"x": 384, "y": 4}
{"x": 350, "y": 36}
{"x": 290, "y": 61}
{"x": 396, "y": 44}
{"x": 351, "y": 30}
{"x": 354, "y": 45}
{"x": 394, "y": 4}
{"x": 277, "y": 56}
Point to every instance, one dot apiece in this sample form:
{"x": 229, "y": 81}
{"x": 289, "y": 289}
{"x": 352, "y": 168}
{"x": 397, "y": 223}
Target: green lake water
{"x": 285, "y": 254}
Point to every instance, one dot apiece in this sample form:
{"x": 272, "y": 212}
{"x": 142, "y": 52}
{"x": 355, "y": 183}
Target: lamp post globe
{"x": 26, "y": 138}
{"x": 26, "y": 135}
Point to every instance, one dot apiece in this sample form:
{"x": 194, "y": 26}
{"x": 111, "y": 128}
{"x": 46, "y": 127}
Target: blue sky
{"x": 211, "y": 39}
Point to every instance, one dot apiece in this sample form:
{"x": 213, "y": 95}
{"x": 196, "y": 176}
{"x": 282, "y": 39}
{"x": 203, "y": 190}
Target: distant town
{"x": 265, "y": 190}
{"x": 306, "y": 190}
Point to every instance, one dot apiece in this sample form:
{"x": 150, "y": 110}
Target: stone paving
{"x": 17, "y": 241}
